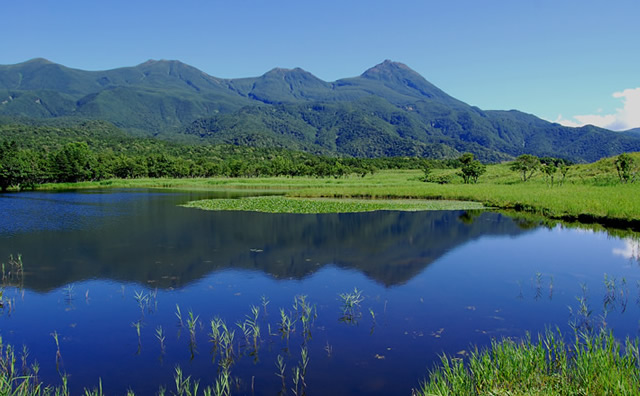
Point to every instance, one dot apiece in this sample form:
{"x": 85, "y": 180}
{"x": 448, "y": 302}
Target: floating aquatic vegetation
{"x": 280, "y": 204}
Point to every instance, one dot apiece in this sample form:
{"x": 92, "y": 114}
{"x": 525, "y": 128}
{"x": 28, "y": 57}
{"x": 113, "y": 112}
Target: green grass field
{"x": 590, "y": 193}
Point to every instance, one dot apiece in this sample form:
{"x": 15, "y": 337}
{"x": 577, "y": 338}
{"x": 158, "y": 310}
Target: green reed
{"x": 185, "y": 386}
{"x": 192, "y": 323}
{"x": 282, "y": 366}
{"x": 250, "y": 327}
{"x": 147, "y": 302}
{"x": 138, "y": 325}
{"x": 304, "y": 362}
{"x": 296, "y": 380}
{"x": 223, "y": 341}
{"x": 286, "y": 325}
{"x": 508, "y": 368}
{"x": 216, "y": 325}
{"x": 96, "y": 391}
{"x": 264, "y": 301}
{"x": 298, "y": 372}
{"x": 222, "y": 386}
{"x": 179, "y": 316}
{"x": 373, "y": 320}
{"x": 161, "y": 337}
{"x": 306, "y": 313}
{"x": 58, "y": 354}
{"x": 351, "y": 306}
{"x": 591, "y": 365}
{"x": 253, "y": 326}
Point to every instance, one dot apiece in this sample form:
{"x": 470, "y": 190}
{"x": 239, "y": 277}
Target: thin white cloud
{"x": 626, "y": 117}
{"x": 631, "y": 249}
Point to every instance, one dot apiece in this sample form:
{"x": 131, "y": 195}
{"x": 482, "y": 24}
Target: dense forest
{"x": 94, "y": 150}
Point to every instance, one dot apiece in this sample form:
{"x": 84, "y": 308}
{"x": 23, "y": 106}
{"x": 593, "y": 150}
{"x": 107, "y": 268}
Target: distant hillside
{"x": 389, "y": 110}
{"x": 635, "y": 131}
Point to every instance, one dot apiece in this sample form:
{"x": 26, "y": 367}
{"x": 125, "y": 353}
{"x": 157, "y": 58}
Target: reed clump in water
{"x": 591, "y": 365}
{"x": 350, "y": 306}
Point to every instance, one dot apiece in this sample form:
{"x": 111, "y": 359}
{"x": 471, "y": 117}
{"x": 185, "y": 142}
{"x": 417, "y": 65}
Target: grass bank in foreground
{"x": 279, "y": 204}
{"x": 593, "y": 365}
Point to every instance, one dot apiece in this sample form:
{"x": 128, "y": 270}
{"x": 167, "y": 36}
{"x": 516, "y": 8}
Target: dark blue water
{"x": 436, "y": 282}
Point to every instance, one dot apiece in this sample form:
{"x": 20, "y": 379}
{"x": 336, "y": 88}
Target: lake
{"x": 113, "y": 272}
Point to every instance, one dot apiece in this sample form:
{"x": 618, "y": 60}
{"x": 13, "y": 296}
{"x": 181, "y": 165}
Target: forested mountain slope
{"x": 389, "y": 110}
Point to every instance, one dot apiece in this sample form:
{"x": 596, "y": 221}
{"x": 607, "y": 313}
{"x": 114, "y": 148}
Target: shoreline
{"x": 611, "y": 205}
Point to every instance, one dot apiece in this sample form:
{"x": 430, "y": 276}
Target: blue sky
{"x": 549, "y": 58}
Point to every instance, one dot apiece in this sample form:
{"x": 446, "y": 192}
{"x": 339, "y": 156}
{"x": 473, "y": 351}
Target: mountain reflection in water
{"x": 144, "y": 237}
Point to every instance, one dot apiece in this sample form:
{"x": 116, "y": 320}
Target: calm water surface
{"x": 432, "y": 283}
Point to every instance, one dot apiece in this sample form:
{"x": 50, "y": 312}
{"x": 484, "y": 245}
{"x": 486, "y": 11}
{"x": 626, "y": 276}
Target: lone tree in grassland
{"x": 624, "y": 165}
{"x": 550, "y": 166}
{"x": 527, "y": 165}
{"x": 549, "y": 170}
{"x": 471, "y": 169}
{"x": 564, "y": 169}
{"x": 426, "y": 168}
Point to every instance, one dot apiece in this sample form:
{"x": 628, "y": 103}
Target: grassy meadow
{"x": 590, "y": 192}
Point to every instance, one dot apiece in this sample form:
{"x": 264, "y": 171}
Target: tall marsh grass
{"x": 591, "y": 365}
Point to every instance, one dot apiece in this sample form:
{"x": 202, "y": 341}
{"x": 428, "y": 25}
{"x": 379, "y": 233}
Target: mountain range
{"x": 389, "y": 110}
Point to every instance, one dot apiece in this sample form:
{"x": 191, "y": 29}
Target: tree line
{"x": 94, "y": 150}
{"x": 23, "y": 168}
